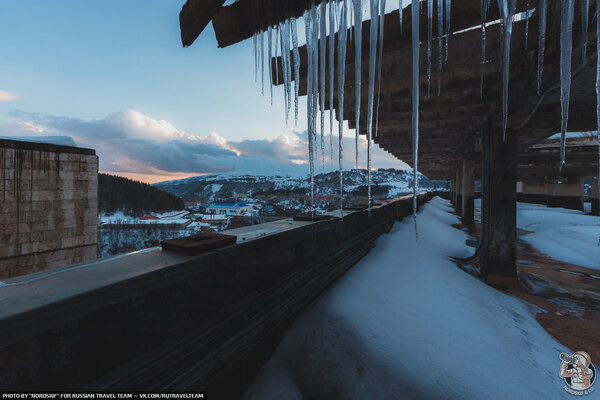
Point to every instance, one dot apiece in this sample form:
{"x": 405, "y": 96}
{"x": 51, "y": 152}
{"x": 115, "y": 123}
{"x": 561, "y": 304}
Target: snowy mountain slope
{"x": 385, "y": 183}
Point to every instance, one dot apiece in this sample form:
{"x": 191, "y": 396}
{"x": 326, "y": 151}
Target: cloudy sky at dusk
{"x": 113, "y": 76}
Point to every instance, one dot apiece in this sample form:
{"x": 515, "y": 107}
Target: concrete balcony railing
{"x": 160, "y": 320}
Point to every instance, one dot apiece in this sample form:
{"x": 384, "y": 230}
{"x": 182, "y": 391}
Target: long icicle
{"x": 308, "y": 25}
{"x": 262, "y": 63}
{"x": 341, "y": 62}
{"x": 448, "y": 13}
{"x": 415, "y": 103}
{"x": 429, "y": 36}
{"x": 288, "y": 70}
{"x": 508, "y": 10}
{"x": 284, "y": 69}
{"x": 598, "y": 90}
{"x": 543, "y": 8}
{"x": 379, "y": 60}
{"x": 332, "y": 9}
{"x": 270, "y": 32}
{"x": 322, "y": 64}
{"x": 440, "y": 22}
{"x": 315, "y": 62}
{"x": 527, "y": 24}
{"x": 373, "y": 34}
{"x": 255, "y": 46}
{"x": 585, "y": 12}
{"x": 357, "y": 66}
{"x": 484, "y": 5}
{"x": 566, "y": 49}
{"x": 400, "y": 8}
{"x": 296, "y": 55}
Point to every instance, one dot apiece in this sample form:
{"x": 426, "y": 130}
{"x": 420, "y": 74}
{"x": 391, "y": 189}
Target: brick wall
{"x": 48, "y": 206}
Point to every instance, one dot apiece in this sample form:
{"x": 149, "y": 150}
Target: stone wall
{"x": 48, "y": 206}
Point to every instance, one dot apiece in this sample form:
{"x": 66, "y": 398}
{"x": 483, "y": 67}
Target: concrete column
{"x": 499, "y": 232}
{"x": 567, "y": 195}
{"x": 468, "y": 193}
{"x": 459, "y": 181}
{"x": 452, "y": 191}
{"x": 535, "y": 192}
{"x": 595, "y": 200}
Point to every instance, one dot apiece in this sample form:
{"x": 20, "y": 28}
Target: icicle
{"x": 288, "y": 67}
{"x": 262, "y": 63}
{"x": 357, "y": 65}
{"x": 415, "y": 101}
{"x": 284, "y": 33}
{"x": 332, "y": 9}
{"x": 598, "y": 88}
{"x": 341, "y": 62}
{"x": 400, "y": 8}
{"x": 484, "y": 5}
{"x": 308, "y": 25}
{"x": 507, "y": 12}
{"x": 296, "y": 55}
{"x": 254, "y": 45}
{"x": 448, "y": 11}
{"x": 440, "y": 22}
{"x": 322, "y": 63}
{"x": 270, "y": 33}
{"x": 276, "y": 33}
{"x": 380, "y": 60}
{"x": 585, "y": 12}
{"x": 527, "y": 24}
{"x": 315, "y": 62}
{"x": 566, "y": 49}
{"x": 374, "y": 32}
{"x": 429, "y": 36}
{"x": 543, "y": 7}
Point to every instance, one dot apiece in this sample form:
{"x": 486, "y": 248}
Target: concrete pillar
{"x": 594, "y": 199}
{"x": 468, "y": 193}
{"x": 567, "y": 195}
{"x": 452, "y": 191}
{"x": 535, "y": 192}
{"x": 499, "y": 230}
{"x": 459, "y": 181}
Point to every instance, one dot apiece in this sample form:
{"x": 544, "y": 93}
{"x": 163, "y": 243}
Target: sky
{"x": 113, "y": 76}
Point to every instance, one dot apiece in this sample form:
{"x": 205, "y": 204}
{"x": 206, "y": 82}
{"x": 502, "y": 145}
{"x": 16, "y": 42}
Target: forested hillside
{"x": 133, "y": 197}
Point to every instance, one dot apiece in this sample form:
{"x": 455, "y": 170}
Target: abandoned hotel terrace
{"x": 207, "y": 312}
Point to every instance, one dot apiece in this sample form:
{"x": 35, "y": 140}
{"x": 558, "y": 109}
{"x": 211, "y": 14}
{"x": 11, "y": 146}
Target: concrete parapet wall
{"x": 48, "y": 206}
{"x": 160, "y": 320}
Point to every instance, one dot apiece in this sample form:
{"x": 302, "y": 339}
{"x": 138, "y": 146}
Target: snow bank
{"x": 565, "y": 235}
{"x": 405, "y": 322}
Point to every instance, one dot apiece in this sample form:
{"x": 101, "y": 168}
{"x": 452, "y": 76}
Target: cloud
{"x": 7, "y": 96}
{"x": 132, "y": 142}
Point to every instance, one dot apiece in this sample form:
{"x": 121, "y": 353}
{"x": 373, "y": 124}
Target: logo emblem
{"x": 578, "y": 372}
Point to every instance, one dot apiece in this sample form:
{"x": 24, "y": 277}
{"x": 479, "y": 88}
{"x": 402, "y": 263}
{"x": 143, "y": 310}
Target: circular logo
{"x": 578, "y": 372}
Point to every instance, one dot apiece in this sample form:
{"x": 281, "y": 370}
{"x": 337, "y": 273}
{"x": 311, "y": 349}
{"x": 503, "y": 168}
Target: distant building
{"x": 149, "y": 217}
{"x": 239, "y": 208}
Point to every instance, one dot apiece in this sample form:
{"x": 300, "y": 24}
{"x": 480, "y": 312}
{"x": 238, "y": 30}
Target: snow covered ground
{"x": 405, "y": 322}
{"x": 565, "y": 235}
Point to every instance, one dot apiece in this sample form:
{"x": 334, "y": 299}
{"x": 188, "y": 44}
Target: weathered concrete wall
{"x": 159, "y": 320}
{"x": 48, "y": 206}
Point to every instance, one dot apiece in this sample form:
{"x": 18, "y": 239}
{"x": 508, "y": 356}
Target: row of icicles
{"x": 323, "y": 20}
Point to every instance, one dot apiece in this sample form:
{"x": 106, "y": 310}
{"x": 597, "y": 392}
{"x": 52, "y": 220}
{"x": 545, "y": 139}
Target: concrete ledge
{"x": 156, "y": 320}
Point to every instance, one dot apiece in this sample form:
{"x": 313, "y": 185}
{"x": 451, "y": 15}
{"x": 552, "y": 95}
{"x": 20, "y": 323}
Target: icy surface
{"x": 566, "y": 49}
{"x": 415, "y": 100}
{"x": 296, "y": 62}
{"x": 357, "y": 65}
{"x": 508, "y": 10}
{"x": 406, "y": 323}
{"x": 565, "y": 235}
